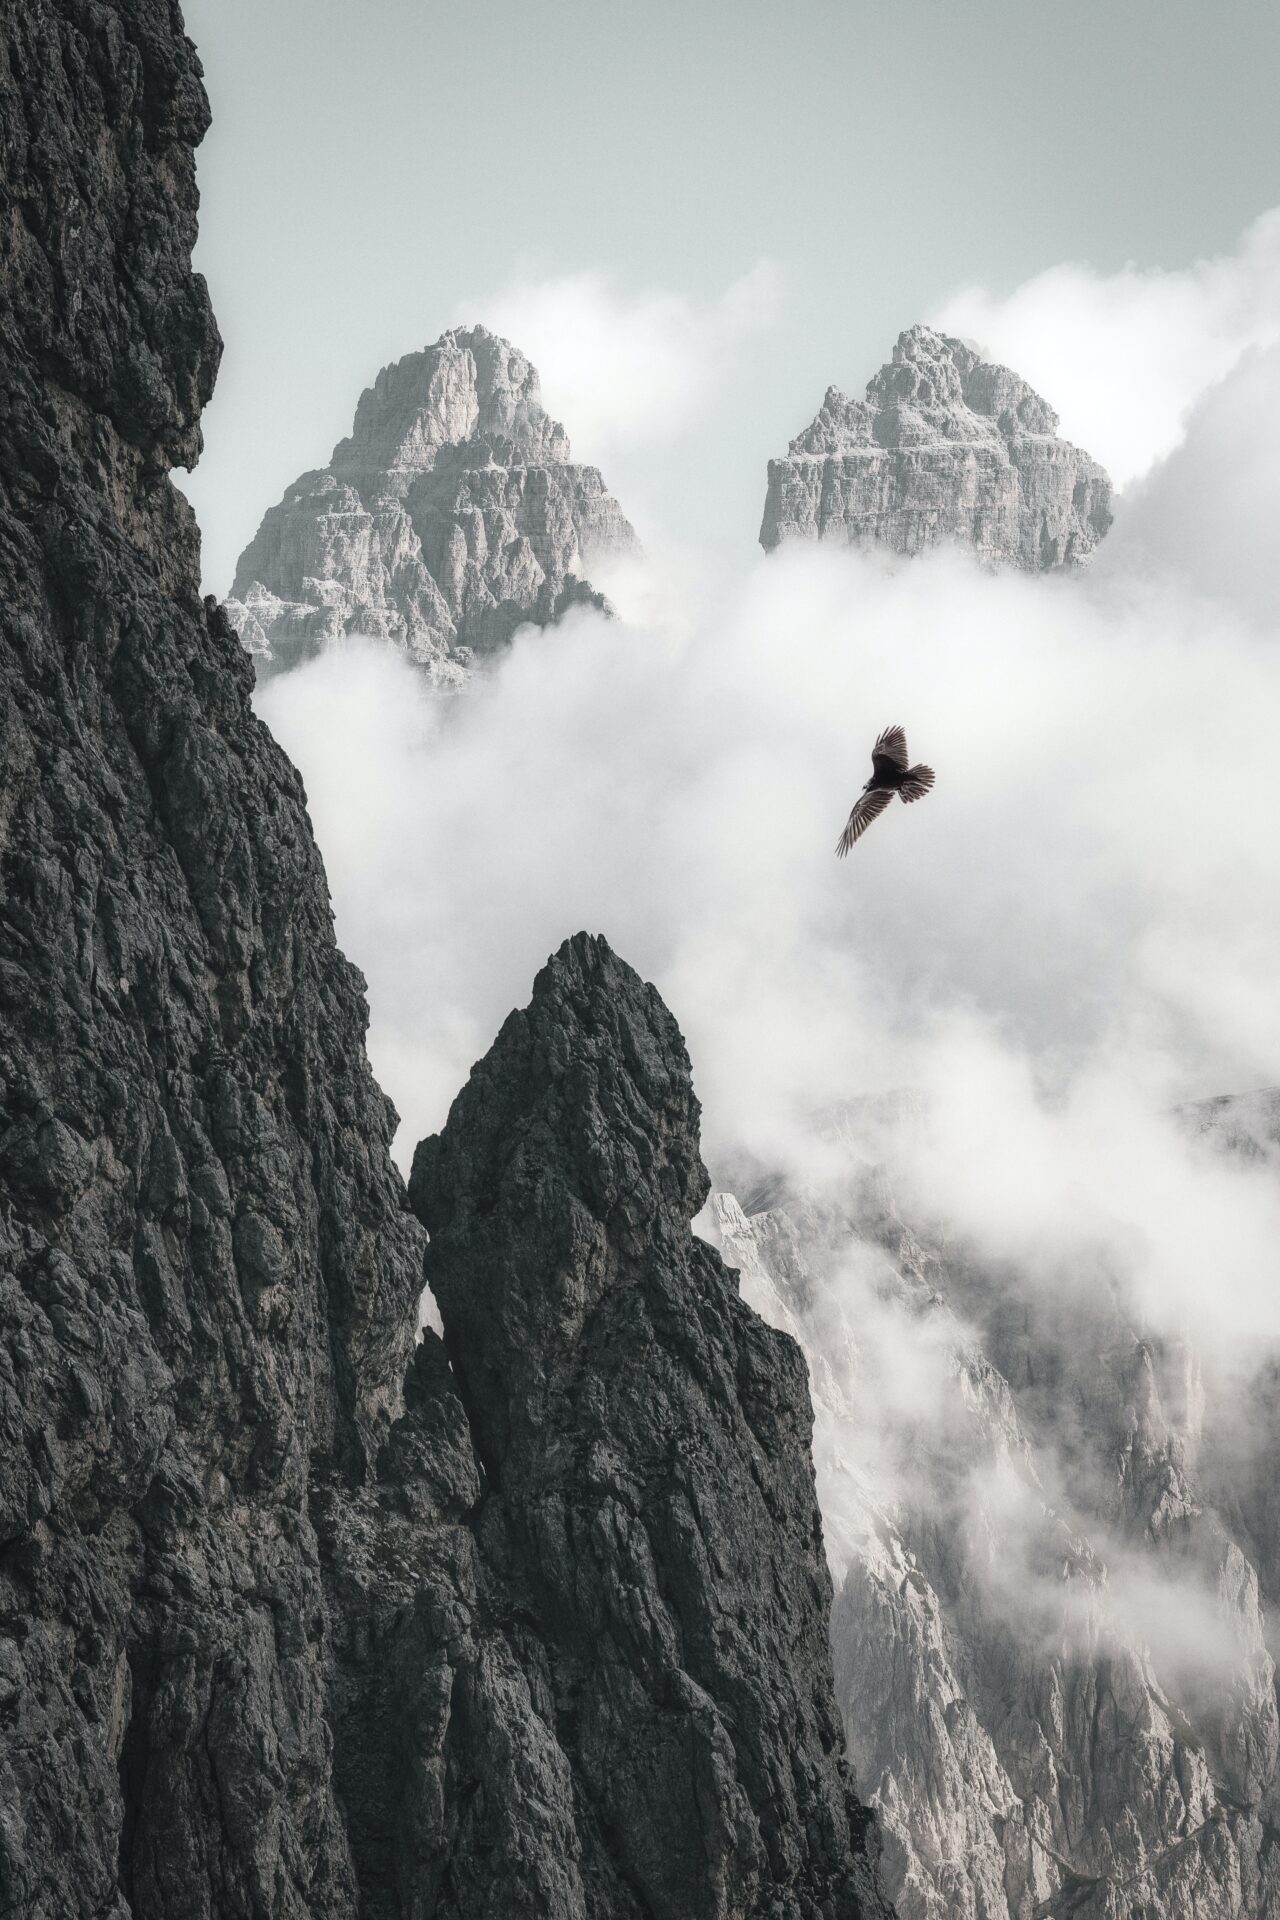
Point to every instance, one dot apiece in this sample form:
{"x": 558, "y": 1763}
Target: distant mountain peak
{"x": 450, "y": 515}
{"x": 946, "y": 447}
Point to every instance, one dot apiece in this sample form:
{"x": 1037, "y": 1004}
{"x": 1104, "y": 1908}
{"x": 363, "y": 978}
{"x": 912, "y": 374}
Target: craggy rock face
{"x": 945, "y": 448}
{"x": 272, "y": 1642}
{"x": 650, "y": 1515}
{"x": 451, "y": 515}
{"x": 207, "y": 1273}
{"x": 102, "y": 112}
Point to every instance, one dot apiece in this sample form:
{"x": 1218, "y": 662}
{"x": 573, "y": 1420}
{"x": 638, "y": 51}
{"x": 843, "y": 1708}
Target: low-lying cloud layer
{"x": 1078, "y": 929}
{"x": 1092, "y": 880}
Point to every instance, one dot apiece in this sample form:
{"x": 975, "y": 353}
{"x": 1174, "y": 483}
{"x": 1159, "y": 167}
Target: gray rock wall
{"x": 278, "y": 1639}
{"x": 1032, "y": 1751}
{"x": 945, "y": 448}
{"x": 207, "y": 1269}
{"x": 451, "y": 515}
{"x": 649, "y": 1517}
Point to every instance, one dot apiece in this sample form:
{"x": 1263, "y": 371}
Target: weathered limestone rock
{"x": 207, "y": 1270}
{"x": 1057, "y": 1579}
{"x": 945, "y": 448}
{"x": 1243, "y": 1124}
{"x": 451, "y": 515}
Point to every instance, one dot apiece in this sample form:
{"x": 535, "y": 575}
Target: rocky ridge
{"x": 946, "y": 447}
{"x": 651, "y": 1519}
{"x": 287, "y": 1628}
{"x": 451, "y": 515}
{"x": 1056, "y": 1578}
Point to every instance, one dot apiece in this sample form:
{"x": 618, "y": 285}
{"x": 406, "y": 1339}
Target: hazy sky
{"x": 376, "y": 173}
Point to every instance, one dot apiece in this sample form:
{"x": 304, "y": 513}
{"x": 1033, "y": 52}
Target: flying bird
{"x": 890, "y": 774}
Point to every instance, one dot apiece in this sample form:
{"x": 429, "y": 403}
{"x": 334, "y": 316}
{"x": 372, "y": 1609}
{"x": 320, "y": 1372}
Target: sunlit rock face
{"x": 451, "y": 515}
{"x": 1057, "y": 1562}
{"x": 946, "y": 447}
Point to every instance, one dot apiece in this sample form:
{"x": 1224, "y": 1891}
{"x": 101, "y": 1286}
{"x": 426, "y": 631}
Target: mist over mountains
{"x": 1040, "y": 1314}
{"x": 823, "y": 1470}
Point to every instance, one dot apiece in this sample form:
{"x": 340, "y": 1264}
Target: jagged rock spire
{"x": 452, "y": 514}
{"x": 946, "y": 447}
{"x": 651, "y": 1511}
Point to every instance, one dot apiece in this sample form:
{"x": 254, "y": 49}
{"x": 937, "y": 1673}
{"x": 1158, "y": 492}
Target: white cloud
{"x": 627, "y": 369}
{"x": 1207, "y": 518}
{"x": 1080, "y": 926}
{"x": 1079, "y": 879}
{"x": 1124, "y": 357}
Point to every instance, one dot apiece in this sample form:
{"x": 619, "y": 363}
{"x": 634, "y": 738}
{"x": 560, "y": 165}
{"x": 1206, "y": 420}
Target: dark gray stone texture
{"x": 649, "y": 1514}
{"x": 292, "y": 1621}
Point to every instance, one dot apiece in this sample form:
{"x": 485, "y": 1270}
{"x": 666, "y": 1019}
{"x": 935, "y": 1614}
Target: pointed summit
{"x": 650, "y": 1525}
{"x": 946, "y": 447}
{"x": 451, "y": 515}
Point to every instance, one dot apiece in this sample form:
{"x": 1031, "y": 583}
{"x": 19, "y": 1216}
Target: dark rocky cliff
{"x": 289, "y": 1625}
{"x": 207, "y": 1270}
{"x": 649, "y": 1517}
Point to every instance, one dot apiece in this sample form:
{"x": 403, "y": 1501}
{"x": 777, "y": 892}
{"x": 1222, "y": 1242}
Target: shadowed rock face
{"x": 946, "y": 447}
{"x": 207, "y": 1270}
{"x": 650, "y": 1515}
{"x": 451, "y": 515}
{"x": 276, "y": 1639}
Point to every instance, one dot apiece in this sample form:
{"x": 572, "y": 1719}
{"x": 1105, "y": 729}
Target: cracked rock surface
{"x": 649, "y": 1518}
{"x": 451, "y": 515}
{"x": 946, "y": 448}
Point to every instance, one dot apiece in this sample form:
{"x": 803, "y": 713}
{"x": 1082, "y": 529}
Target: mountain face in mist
{"x": 1056, "y": 1587}
{"x": 451, "y": 515}
{"x": 1239, "y": 1123}
{"x": 299, "y": 1618}
{"x": 945, "y": 448}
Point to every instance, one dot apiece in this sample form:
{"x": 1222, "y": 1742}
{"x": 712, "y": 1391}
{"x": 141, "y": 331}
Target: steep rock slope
{"x": 276, "y": 1639}
{"x": 1055, "y": 1599}
{"x": 945, "y": 447}
{"x": 1246, "y": 1124}
{"x": 452, "y": 514}
{"x": 650, "y": 1514}
{"x": 207, "y": 1269}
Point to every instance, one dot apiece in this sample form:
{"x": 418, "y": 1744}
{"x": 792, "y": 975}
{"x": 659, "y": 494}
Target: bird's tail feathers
{"x": 917, "y": 783}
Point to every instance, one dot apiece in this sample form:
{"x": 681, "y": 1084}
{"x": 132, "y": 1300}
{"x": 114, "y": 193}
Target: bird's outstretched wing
{"x": 866, "y": 808}
{"x": 889, "y": 754}
{"x": 917, "y": 783}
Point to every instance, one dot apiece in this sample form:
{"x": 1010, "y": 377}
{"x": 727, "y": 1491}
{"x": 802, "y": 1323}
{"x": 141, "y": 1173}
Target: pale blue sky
{"x": 370, "y": 167}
